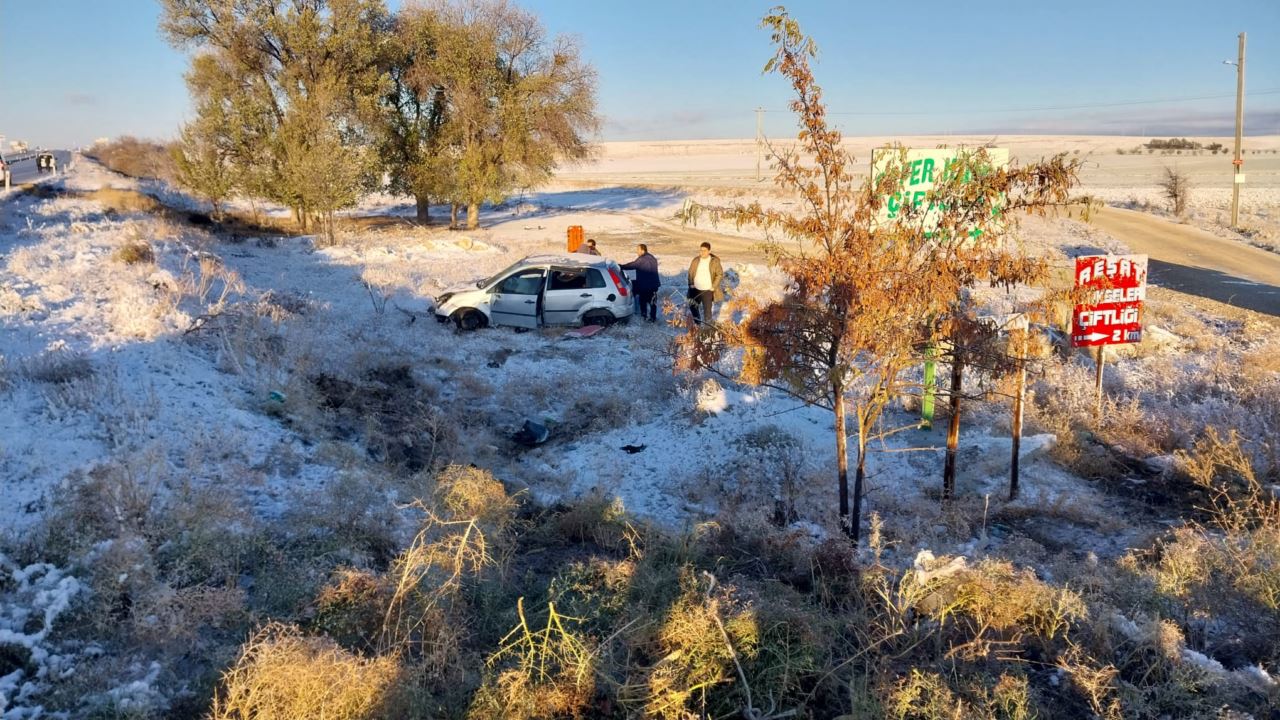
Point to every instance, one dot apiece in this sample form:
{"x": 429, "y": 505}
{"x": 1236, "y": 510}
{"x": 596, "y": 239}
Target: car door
{"x": 568, "y": 289}
{"x": 515, "y": 298}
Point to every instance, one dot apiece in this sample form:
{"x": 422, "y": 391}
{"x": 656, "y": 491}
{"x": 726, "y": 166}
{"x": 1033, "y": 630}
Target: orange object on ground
{"x": 575, "y": 238}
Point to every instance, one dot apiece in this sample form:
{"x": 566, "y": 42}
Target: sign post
{"x": 930, "y": 388}
{"x": 1110, "y": 313}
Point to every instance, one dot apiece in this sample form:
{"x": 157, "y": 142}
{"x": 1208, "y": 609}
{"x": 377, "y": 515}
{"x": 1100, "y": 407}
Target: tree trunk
{"x": 423, "y": 214}
{"x": 453, "y": 216}
{"x": 859, "y": 475}
{"x": 953, "y": 431}
{"x": 1017, "y": 427}
{"x": 842, "y": 462}
{"x": 473, "y": 216}
{"x": 328, "y": 220}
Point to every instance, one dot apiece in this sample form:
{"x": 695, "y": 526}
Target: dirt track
{"x": 1195, "y": 262}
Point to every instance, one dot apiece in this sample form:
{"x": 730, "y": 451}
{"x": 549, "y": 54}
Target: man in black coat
{"x": 647, "y": 281}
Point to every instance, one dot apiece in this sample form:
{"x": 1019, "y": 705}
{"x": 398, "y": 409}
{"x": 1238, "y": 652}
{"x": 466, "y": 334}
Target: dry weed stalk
{"x": 449, "y": 548}
{"x": 428, "y": 573}
{"x": 549, "y": 671}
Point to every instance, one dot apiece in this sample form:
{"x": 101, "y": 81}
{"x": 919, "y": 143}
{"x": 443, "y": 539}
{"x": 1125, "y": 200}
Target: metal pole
{"x": 1097, "y": 407}
{"x": 1238, "y": 178}
{"x": 759, "y": 139}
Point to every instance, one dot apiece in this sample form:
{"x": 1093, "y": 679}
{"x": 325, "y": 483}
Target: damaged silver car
{"x": 541, "y": 290}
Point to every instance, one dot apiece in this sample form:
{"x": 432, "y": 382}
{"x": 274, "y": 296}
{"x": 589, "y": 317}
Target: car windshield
{"x": 498, "y": 275}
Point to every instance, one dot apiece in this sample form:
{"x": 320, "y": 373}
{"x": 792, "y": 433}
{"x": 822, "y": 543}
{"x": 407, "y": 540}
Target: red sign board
{"x": 1111, "y": 313}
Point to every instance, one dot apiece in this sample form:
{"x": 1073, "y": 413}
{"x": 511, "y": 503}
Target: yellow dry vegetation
{"x": 285, "y": 675}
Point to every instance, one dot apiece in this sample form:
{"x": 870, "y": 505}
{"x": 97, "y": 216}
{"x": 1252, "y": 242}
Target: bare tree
{"x": 1177, "y": 188}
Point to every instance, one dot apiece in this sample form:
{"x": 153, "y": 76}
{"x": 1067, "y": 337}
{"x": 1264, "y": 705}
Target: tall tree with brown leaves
{"x": 865, "y": 293}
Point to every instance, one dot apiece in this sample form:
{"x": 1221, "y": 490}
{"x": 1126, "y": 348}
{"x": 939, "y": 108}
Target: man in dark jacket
{"x": 706, "y": 280}
{"x": 647, "y": 281}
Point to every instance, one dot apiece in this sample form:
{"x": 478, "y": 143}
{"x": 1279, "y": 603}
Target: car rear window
{"x": 576, "y": 279}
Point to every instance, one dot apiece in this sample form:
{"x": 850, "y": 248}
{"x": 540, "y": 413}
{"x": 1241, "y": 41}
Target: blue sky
{"x": 74, "y": 70}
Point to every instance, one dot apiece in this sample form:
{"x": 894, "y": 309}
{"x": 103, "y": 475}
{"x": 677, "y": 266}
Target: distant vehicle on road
{"x": 569, "y": 289}
{"x": 45, "y": 162}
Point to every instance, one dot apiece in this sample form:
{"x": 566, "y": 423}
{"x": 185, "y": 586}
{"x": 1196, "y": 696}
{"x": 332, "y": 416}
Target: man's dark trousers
{"x": 702, "y": 300}
{"x": 648, "y": 304}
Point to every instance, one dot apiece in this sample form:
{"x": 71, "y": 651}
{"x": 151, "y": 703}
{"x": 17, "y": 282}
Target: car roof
{"x": 570, "y": 259}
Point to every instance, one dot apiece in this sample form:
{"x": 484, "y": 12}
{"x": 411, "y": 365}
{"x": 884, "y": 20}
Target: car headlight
{"x": 444, "y": 298}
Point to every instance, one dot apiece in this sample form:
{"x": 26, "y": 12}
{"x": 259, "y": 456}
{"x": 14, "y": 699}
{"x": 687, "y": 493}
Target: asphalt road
{"x": 1196, "y": 262}
{"x": 24, "y": 171}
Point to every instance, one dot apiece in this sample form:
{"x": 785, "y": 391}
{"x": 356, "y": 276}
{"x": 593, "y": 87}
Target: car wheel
{"x": 468, "y": 320}
{"x": 603, "y": 319}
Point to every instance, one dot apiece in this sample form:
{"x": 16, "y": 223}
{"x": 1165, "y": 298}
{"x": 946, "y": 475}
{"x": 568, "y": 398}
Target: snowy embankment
{"x": 141, "y": 358}
{"x": 151, "y": 362}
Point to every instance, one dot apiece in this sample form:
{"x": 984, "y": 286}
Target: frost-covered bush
{"x": 57, "y": 366}
{"x": 135, "y": 253}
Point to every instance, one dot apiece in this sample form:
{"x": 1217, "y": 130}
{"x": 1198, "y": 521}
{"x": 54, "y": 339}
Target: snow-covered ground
{"x": 231, "y": 365}
{"x": 157, "y": 365}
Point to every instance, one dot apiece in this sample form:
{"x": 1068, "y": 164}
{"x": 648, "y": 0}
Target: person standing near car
{"x": 706, "y": 277}
{"x": 590, "y": 248}
{"x": 647, "y": 281}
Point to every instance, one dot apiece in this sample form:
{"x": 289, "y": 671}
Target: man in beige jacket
{"x": 706, "y": 280}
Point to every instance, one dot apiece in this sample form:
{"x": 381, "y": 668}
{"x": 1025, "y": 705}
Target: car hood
{"x": 461, "y": 287}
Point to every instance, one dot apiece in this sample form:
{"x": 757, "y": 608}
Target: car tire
{"x": 602, "y": 318}
{"x": 468, "y": 320}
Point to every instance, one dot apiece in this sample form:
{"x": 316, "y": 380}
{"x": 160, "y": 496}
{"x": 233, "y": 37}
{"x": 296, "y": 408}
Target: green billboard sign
{"x": 924, "y": 169}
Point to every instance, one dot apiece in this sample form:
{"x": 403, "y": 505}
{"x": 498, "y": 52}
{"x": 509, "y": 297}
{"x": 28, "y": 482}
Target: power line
{"x": 1047, "y": 108}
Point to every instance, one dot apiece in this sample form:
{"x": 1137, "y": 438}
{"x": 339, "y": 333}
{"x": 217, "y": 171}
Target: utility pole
{"x": 759, "y": 140}
{"x": 1238, "y": 179}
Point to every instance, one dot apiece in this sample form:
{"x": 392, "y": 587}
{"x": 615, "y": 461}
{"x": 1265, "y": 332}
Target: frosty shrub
{"x": 351, "y": 607}
{"x": 594, "y": 517}
{"x": 285, "y": 675}
{"x": 57, "y": 366}
{"x": 471, "y": 493}
{"x": 353, "y": 518}
{"x": 927, "y": 695}
{"x": 135, "y": 253}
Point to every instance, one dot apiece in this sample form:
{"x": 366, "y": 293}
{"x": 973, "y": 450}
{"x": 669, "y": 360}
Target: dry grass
{"x": 57, "y": 367}
{"x": 135, "y": 253}
{"x": 285, "y": 675}
{"x": 124, "y": 201}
